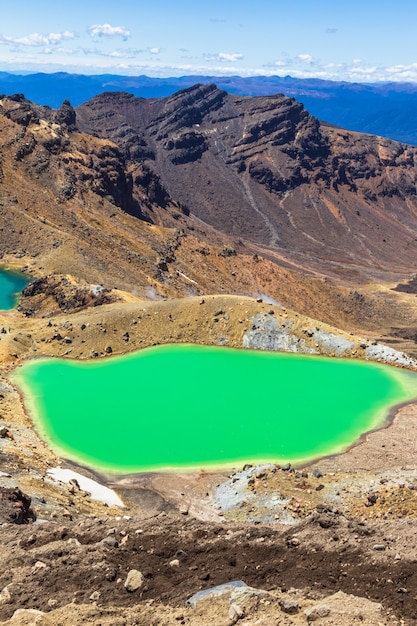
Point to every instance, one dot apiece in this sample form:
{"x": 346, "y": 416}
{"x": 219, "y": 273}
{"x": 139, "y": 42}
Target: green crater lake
{"x": 187, "y": 406}
{"x": 11, "y": 284}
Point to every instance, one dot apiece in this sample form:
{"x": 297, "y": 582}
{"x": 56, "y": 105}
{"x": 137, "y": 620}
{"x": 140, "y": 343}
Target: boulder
{"x": 15, "y": 507}
{"x": 134, "y": 580}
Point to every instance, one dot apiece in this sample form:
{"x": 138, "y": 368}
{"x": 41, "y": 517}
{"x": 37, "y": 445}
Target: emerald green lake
{"x": 11, "y": 284}
{"x": 186, "y": 406}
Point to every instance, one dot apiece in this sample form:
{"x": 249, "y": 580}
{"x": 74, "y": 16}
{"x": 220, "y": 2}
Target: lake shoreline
{"x": 209, "y": 466}
{"x": 145, "y": 321}
{"x": 12, "y": 282}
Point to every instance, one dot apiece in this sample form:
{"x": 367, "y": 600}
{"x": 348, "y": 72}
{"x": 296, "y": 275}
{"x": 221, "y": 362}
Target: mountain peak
{"x": 264, "y": 169}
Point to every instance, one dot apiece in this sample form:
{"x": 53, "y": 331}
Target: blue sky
{"x": 359, "y": 40}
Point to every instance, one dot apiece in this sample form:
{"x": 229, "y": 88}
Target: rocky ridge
{"x": 262, "y": 168}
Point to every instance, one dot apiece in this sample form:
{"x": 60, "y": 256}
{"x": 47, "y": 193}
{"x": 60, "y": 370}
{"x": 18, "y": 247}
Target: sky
{"x": 357, "y": 40}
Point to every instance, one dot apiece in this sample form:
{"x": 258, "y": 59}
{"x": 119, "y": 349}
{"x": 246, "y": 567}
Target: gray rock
{"x": 215, "y": 592}
{"x": 134, "y": 580}
{"x": 248, "y": 598}
{"x": 294, "y": 542}
{"x": 95, "y": 596}
{"x": 372, "y": 498}
{"x": 316, "y": 612}
{"x": 333, "y": 343}
{"x": 379, "y": 352}
{"x": 5, "y": 596}
{"x": 266, "y": 333}
{"x": 183, "y": 508}
{"x": 289, "y": 607}
{"x": 235, "y": 612}
{"x": 26, "y": 616}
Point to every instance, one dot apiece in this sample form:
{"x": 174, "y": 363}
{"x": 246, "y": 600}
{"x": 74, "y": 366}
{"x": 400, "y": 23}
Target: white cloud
{"x": 36, "y": 39}
{"x": 402, "y": 69}
{"x": 60, "y": 50}
{"x": 224, "y": 57}
{"x": 64, "y": 50}
{"x": 117, "y": 54}
{"x": 306, "y": 66}
{"x": 107, "y": 30}
{"x": 306, "y": 58}
{"x": 121, "y": 53}
{"x": 363, "y": 70}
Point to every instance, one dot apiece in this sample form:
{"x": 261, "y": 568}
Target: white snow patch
{"x": 98, "y": 492}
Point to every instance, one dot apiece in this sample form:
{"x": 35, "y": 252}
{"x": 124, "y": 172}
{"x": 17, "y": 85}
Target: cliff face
{"x": 263, "y": 169}
{"x": 47, "y": 144}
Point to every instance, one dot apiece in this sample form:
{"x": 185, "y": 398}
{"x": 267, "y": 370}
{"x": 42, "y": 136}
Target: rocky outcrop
{"x": 66, "y": 116}
{"x": 150, "y": 184}
{"x": 187, "y": 148}
{"x": 15, "y": 507}
{"x": 186, "y": 109}
{"x": 19, "y": 110}
{"x": 82, "y": 166}
{"x": 62, "y": 294}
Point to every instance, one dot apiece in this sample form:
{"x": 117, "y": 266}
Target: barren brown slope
{"x": 263, "y": 169}
{"x": 69, "y": 206}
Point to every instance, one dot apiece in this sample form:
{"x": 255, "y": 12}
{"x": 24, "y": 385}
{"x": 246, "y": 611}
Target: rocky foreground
{"x": 332, "y": 543}
{"x": 330, "y": 570}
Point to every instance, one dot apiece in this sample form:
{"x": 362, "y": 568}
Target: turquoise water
{"x": 11, "y": 284}
{"x": 183, "y": 406}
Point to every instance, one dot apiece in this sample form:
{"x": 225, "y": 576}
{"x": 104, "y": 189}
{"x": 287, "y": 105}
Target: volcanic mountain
{"x": 264, "y": 170}
{"x": 204, "y": 192}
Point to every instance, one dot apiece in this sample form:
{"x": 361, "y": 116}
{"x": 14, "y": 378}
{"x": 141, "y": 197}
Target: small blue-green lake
{"x": 187, "y": 406}
{"x": 11, "y": 284}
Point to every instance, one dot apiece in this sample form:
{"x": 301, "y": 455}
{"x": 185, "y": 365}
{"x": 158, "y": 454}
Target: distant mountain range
{"x": 386, "y": 109}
